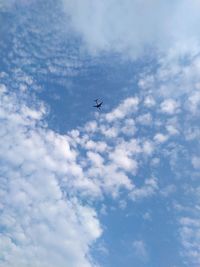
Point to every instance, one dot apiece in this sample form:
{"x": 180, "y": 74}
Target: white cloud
{"x": 140, "y": 250}
{"x": 96, "y": 159}
{"x": 172, "y": 130}
{"x": 147, "y": 216}
{"x": 149, "y": 101}
{"x": 194, "y": 102}
{"x": 196, "y": 162}
{"x": 120, "y": 26}
{"x": 91, "y": 126}
{"x": 192, "y": 132}
{"x": 144, "y": 83}
{"x": 189, "y": 225}
{"x": 148, "y": 147}
{"x": 128, "y": 127}
{"x": 169, "y": 106}
{"x": 175, "y": 82}
{"x": 122, "y": 204}
{"x": 147, "y": 190}
{"x": 160, "y": 138}
{"x": 122, "y": 157}
{"x": 145, "y": 119}
{"x": 109, "y": 132}
{"x": 155, "y": 161}
{"x": 41, "y": 226}
{"x": 128, "y": 106}
{"x": 190, "y": 239}
{"x": 168, "y": 190}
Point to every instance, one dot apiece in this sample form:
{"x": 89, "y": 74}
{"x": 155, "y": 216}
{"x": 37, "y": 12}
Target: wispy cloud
{"x": 140, "y": 250}
{"x": 147, "y": 190}
{"x": 189, "y": 227}
{"x": 120, "y": 26}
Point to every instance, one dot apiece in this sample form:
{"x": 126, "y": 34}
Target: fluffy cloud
{"x": 174, "y": 79}
{"x": 160, "y": 138}
{"x": 169, "y": 106}
{"x": 196, "y": 162}
{"x": 190, "y": 237}
{"x": 119, "y": 26}
{"x": 128, "y": 106}
{"x": 148, "y": 189}
{"x": 40, "y": 225}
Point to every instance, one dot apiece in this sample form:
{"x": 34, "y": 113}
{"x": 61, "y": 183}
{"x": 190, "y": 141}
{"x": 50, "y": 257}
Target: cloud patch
{"x": 40, "y": 225}
{"x": 119, "y": 26}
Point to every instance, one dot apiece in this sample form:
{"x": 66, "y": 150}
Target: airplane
{"x": 98, "y": 104}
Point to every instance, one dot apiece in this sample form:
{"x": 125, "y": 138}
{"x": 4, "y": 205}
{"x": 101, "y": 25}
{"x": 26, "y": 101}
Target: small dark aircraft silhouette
{"x": 98, "y": 104}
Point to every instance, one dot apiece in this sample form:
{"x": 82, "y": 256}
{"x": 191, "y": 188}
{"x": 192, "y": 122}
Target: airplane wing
{"x": 98, "y": 105}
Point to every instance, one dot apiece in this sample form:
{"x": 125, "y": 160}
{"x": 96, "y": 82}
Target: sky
{"x": 117, "y": 187}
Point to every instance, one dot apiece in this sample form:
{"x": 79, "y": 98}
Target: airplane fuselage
{"x": 98, "y": 105}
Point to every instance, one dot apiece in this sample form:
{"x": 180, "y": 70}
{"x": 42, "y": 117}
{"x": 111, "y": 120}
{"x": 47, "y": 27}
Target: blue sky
{"x": 117, "y": 187}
